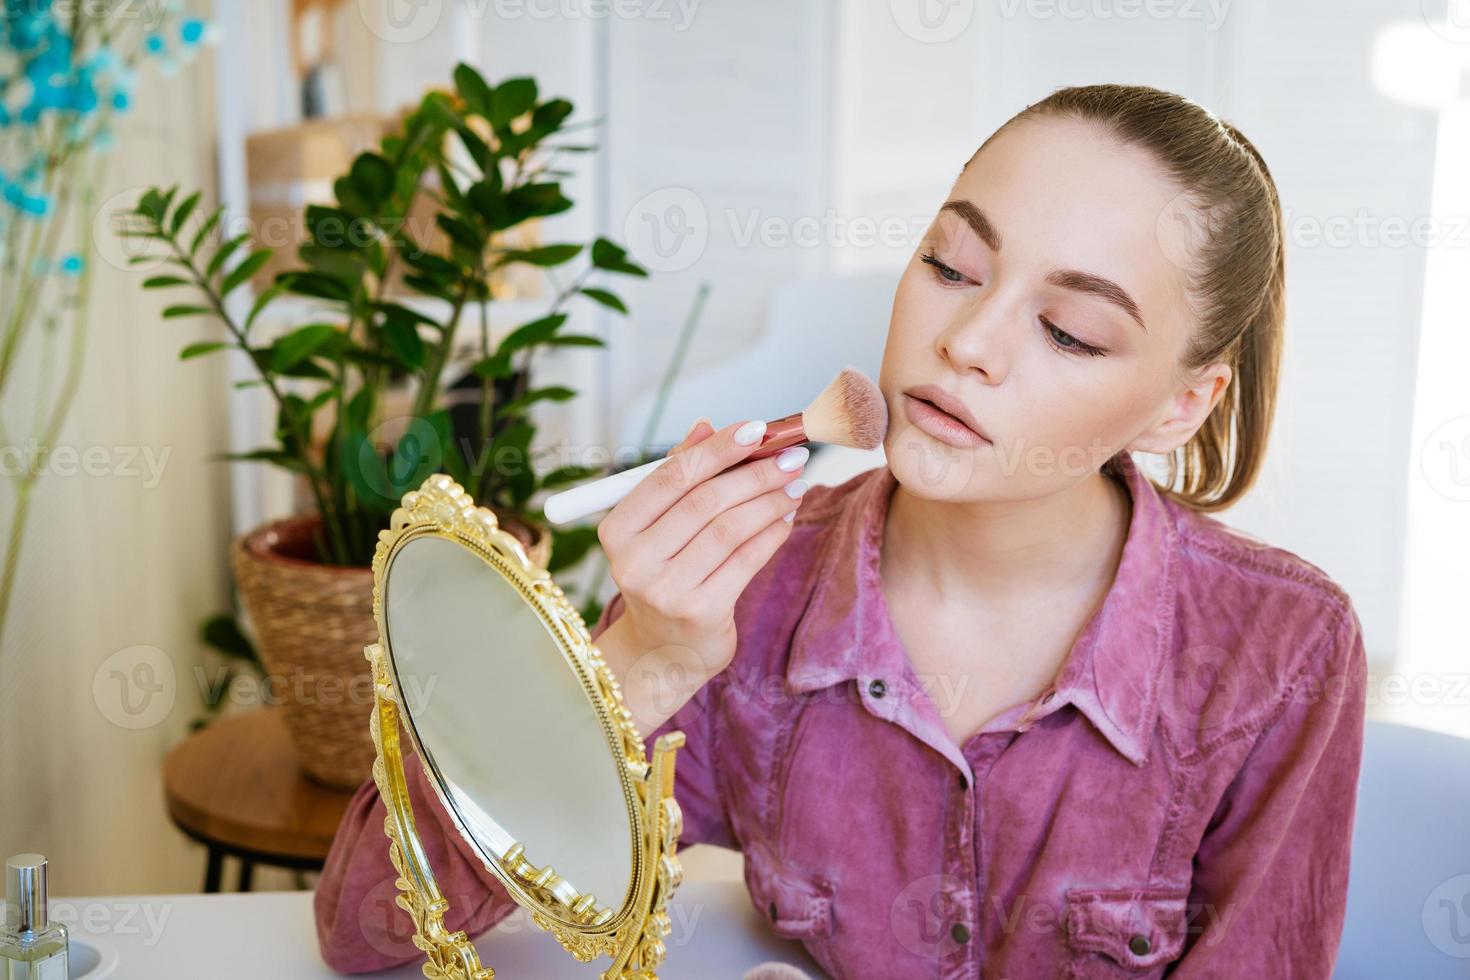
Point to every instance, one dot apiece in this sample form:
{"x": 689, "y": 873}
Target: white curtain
{"x": 122, "y": 558}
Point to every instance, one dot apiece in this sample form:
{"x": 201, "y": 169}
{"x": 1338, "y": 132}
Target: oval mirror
{"x": 490, "y": 672}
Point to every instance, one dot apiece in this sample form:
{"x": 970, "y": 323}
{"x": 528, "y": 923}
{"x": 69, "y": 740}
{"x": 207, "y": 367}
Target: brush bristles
{"x": 849, "y": 412}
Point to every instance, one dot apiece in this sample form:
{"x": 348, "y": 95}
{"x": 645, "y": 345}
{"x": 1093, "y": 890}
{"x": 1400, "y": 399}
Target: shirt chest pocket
{"x": 797, "y": 903}
{"x": 1125, "y": 932}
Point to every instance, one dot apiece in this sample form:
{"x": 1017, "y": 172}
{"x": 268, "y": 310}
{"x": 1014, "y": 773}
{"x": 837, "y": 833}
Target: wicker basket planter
{"x": 311, "y": 623}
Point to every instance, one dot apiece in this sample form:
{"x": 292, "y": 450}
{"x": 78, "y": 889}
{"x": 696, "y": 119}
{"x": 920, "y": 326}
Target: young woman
{"x": 1004, "y": 707}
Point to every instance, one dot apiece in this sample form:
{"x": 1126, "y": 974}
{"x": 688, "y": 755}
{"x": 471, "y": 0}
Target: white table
{"x": 716, "y": 935}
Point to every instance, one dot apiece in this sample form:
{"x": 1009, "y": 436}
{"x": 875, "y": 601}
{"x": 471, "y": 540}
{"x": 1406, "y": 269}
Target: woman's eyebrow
{"x": 1073, "y": 279}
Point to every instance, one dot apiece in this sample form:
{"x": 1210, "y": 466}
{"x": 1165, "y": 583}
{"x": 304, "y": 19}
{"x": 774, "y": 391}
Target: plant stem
{"x": 65, "y": 397}
{"x": 315, "y": 477}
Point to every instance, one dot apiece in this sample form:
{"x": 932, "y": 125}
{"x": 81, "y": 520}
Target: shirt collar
{"x": 1113, "y": 671}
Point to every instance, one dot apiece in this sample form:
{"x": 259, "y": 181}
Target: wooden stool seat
{"x": 235, "y": 787}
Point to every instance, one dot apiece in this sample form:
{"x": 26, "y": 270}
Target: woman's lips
{"x": 941, "y": 425}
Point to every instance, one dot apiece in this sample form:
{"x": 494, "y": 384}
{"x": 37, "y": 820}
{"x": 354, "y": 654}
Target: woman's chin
{"x": 928, "y": 468}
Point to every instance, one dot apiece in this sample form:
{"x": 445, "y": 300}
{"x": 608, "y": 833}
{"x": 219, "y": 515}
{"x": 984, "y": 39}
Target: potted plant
{"x": 483, "y": 155}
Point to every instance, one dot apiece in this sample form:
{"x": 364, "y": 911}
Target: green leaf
{"x": 277, "y": 456}
{"x": 605, "y": 298}
{"x": 372, "y": 177}
{"x": 546, "y": 255}
{"x": 245, "y": 270}
{"x": 204, "y": 347}
{"x": 400, "y": 312}
{"x": 549, "y": 116}
{"x": 331, "y": 227}
{"x": 494, "y": 366}
{"x": 339, "y": 263}
{"x": 404, "y": 340}
{"x": 223, "y": 253}
{"x": 174, "y": 312}
{"x": 314, "y": 284}
{"x": 461, "y": 233}
{"x": 515, "y": 406}
{"x": 222, "y": 632}
{"x": 570, "y": 546}
{"x": 471, "y": 86}
{"x": 569, "y": 474}
{"x": 576, "y": 340}
{"x": 266, "y": 297}
{"x": 512, "y": 97}
{"x": 533, "y": 201}
{"x": 158, "y": 282}
{"x": 531, "y": 333}
{"x": 182, "y": 212}
{"x": 149, "y": 205}
{"x": 300, "y": 344}
{"x": 349, "y": 198}
{"x": 612, "y": 258}
{"x": 205, "y": 229}
{"x": 477, "y": 148}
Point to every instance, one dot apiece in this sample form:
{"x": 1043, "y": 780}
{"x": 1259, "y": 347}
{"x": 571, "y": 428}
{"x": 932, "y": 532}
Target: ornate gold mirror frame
{"x": 632, "y": 935}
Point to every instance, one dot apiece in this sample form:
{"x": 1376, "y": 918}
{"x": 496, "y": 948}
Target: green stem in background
{"x": 487, "y": 406}
{"x": 676, "y": 363}
{"x": 65, "y": 398}
{"x": 429, "y": 383}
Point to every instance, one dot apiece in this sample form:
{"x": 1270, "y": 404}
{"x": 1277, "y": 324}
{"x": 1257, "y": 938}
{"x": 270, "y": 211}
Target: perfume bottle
{"x": 31, "y": 947}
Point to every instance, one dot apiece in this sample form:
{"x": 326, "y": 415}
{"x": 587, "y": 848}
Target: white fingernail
{"x": 789, "y": 517}
{"x": 795, "y": 488}
{"x": 792, "y": 458}
{"x": 750, "y": 432}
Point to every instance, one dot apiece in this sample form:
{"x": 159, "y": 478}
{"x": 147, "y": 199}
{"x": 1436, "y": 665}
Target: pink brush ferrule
{"x": 780, "y": 434}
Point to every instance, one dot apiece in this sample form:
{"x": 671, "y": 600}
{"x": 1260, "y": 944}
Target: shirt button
{"x": 877, "y": 688}
{"x": 959, "y": 933}
{"x": 1139, "y": 945}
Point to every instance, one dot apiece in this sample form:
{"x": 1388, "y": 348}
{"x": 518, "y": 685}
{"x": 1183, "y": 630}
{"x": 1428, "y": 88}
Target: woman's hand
{"x": 682, "y": 546}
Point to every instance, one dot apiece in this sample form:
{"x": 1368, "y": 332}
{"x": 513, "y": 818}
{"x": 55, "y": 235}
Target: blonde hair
{"x": 1237, "y": 270}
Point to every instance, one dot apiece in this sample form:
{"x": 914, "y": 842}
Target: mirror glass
{"x": 500, "y": 715}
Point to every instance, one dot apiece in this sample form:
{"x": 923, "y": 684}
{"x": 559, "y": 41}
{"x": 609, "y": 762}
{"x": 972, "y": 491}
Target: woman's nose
{"x": 980, "y": 339}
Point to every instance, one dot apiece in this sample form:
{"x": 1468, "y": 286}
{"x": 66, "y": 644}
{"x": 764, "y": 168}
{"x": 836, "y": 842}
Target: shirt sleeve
{"x": 696, "y": 782}
{"x": 360, "y": 927}
{"x": 1269, "y": 890}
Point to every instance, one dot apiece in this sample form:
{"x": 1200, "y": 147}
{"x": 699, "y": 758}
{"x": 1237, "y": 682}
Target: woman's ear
{"x": 1187, "y": 409}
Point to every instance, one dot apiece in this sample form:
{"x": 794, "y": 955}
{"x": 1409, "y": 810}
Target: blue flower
{"x": 154, "y": 44}
{"x": 72, "y": 265}
{"x": 191, "y": 31}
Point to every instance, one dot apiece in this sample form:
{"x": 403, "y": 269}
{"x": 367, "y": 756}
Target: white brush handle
{"x": 589, "y": 498}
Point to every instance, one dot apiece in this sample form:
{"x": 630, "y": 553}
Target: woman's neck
{"x": 983, "y": 551}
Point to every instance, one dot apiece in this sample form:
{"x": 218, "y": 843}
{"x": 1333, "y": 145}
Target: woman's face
{"x": 1047, "y": 300}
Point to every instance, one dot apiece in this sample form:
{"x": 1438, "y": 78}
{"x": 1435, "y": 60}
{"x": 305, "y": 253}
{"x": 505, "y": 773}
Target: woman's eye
{"x": 1065, "y": 341}
{"x": 943, "y": 271}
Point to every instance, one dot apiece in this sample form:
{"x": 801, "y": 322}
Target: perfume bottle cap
{"x": 25, "y": 892}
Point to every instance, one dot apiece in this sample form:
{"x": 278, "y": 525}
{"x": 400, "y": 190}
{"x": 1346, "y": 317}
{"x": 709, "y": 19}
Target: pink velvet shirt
{"x": 1178, "y": 802}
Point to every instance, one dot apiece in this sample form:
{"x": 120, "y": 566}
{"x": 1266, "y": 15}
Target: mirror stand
{"x": 637, "y": 949}
{"x": 631, "y": 933}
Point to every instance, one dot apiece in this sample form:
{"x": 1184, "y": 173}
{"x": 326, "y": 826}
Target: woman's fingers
{"x": 725, "y": 584}
{"x": 701, "y": 430}
{"x": 731, "y": 528}
{"x": 715, "y": 511}
{"x": 684, "y": 471}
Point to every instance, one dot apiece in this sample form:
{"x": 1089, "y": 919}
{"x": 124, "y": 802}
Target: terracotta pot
{"x": 311, "y": 623}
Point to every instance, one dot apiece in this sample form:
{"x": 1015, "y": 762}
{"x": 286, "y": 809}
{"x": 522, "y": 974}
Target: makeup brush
{"x": 849, "y": 412}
